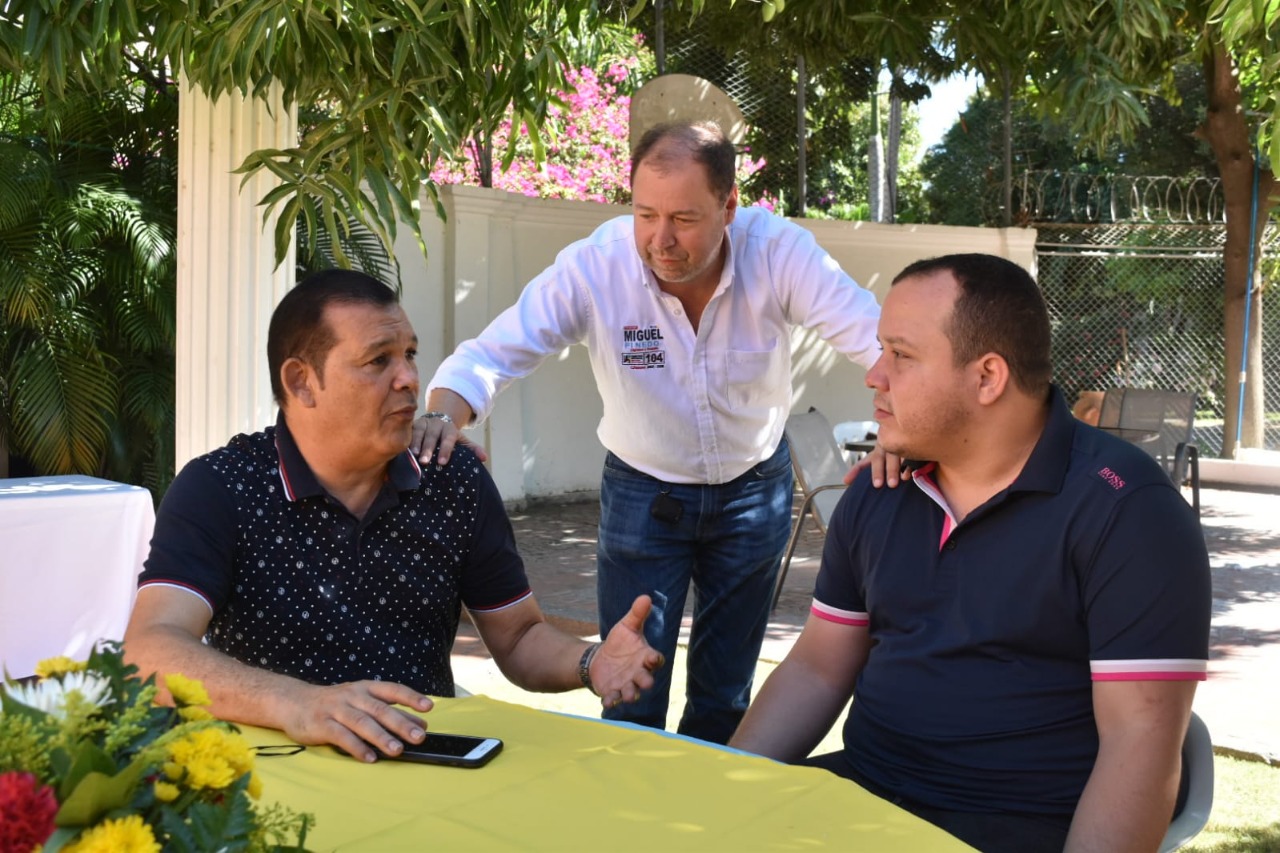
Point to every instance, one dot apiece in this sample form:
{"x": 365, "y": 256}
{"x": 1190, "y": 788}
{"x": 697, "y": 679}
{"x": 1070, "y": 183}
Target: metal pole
{"x": 1006, "y": 218}
{"x": 875, "y": 164}
{"x": 802, "y": 188}
{"x": 659, "y": 38}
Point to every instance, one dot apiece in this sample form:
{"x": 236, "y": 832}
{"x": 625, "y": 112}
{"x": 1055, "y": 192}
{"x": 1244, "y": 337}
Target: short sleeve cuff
{"x": 855, "y": 618}
{"x": 1168, "y": 669}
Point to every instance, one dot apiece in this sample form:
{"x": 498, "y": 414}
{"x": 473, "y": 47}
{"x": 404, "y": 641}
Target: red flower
{"x": 26, "y": 812}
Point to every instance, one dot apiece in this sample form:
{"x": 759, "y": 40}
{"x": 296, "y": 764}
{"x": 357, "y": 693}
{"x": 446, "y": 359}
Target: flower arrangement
{"x": 89, "y": 762}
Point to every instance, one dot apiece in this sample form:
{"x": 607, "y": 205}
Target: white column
{"x": 480, "y": 285}
{"x": 228, "y": 280}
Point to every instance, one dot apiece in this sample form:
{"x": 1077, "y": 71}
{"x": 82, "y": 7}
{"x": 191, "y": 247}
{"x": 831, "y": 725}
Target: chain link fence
{"x": 765, "y": 92}
{"x": 1140, "y": 304}
{"x": 812, "y": 126}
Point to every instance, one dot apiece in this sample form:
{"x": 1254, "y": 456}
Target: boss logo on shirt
{"x": 642, "y": 348}
{"x": 1111, "y": 478}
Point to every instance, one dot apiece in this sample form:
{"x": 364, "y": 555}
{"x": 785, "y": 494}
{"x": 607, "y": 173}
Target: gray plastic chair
{"x": 1197, "y": 766}
{"x": 1169, "y": 414}
{"x": 819, "y": 471}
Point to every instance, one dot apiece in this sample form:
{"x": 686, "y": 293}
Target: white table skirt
{"x": 71, "y": 549}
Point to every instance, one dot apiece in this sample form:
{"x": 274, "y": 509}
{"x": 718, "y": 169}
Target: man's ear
{"x": 298, "y": 380}
{"x": 731, "y": 205}
{"x": 993, "y": 378}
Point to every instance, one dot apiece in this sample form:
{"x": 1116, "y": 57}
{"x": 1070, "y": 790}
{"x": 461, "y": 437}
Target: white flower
{"x": 50, "y": 694}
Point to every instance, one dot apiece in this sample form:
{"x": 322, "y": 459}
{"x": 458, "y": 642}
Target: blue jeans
{"x": 728, "y": 541}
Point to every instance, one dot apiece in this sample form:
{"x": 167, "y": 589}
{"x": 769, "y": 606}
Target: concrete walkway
{"x": 1240, "y": 702}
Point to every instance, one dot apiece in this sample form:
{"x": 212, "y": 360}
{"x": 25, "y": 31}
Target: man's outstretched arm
{"x": 535, "y": 655}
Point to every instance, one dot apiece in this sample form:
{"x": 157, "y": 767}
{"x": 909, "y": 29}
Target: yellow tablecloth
{"x": 566, "y": 783}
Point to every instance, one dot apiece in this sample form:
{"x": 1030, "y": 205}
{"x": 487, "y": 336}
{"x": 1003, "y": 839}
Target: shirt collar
{"x": 726, "y": 274}
{"x": 299, "y": 481}
{"x": 1046, "y": 468}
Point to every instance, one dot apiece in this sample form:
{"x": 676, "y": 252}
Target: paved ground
{"x": 1240, "y": 702}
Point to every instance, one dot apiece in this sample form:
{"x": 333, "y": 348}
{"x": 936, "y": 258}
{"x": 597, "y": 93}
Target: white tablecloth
{"x": 71, "y": 549}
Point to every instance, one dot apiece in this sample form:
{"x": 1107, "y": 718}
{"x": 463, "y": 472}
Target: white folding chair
{"x": 819, "y": 471}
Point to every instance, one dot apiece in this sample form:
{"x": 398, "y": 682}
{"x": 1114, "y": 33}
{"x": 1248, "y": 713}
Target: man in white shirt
{"x": 687, "y": 309}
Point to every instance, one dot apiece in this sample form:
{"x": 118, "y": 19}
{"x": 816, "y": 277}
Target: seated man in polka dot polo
{"x": 312, "y": 574}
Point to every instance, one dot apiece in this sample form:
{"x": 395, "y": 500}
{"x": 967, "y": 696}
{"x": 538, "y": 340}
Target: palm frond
{"x": 61, "y": 393}
{"x": 24, "y": 179}
{"x": 358, "y": 243}
{"x": 146, "y": 391}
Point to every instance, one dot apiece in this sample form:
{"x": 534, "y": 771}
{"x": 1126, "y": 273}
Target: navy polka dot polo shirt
{"x": 299, "y": 586}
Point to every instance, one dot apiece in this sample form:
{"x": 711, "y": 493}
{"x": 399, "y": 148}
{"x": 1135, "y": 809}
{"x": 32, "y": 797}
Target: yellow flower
{"x": 186, "y": 691}
{"x": 255, "y": 786}
{"x": 61, "y": 665}
{"x": 167, "y": 792}
{"x": 212, "y": 758}
{"x": 122, "y": 835}
{"x": 194, "y": 714}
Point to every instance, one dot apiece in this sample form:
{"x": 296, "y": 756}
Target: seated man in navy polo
{"x": 1023, "y": 627}
{"x": 312, "y": 575}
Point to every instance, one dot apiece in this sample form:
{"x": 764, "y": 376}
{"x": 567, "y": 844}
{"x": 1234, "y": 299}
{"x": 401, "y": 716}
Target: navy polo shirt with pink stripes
{"x": 988, "y": 632}
{"x": 297, "y": 585}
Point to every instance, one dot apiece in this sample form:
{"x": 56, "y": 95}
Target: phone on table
{"x": 453, "y": 750}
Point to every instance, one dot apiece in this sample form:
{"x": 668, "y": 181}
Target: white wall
{"x": 542, "y": 435}
{"x": 228, "y": 282}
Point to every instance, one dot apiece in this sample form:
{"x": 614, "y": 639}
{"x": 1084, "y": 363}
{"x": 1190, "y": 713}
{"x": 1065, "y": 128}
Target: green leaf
{"x": 87, "y": 758}
{"x": 98, "y": 793}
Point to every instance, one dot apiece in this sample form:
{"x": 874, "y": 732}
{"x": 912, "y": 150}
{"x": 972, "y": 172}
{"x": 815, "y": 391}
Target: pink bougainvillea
{"x": 587, "y": 147}
{"x": 587, "y": 137}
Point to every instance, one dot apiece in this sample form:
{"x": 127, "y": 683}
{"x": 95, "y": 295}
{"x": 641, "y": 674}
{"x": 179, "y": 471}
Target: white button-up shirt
{"x": 681, "y": 406}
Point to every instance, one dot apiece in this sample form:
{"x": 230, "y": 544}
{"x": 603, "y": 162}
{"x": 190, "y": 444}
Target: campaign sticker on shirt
{"x": 642, "y": 348}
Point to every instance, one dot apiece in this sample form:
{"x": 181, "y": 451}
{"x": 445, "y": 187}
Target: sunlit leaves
{"x": 61, "y": 387}
{"x": 401, "y": 80}
{"x": 86, "y": 282}
{"x": 1251, "y": 28}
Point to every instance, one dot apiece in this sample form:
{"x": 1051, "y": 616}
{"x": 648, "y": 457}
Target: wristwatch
{"x": 438, "y": 415}
{"x": 584, "y": 666}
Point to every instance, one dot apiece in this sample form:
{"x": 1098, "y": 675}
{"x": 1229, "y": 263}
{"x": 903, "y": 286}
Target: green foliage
{"x": 87, "y": 230}
{"x": 358, "y": 246}
{"x": 1252, "y": 27}
{"x": 964, "y": 172}
{"x": 401, "y": 82}
{"x": 722, "y": 45}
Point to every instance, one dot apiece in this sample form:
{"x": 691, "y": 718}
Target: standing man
{"x": 1022, "y": 627}
{"x": 687, "y": 308}
{"x": 312, "y": 575}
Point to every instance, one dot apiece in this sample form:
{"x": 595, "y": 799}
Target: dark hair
{"x": 702, "y": 141}
{"x": 999, "y": 309}
{"x": 298, "y": 328}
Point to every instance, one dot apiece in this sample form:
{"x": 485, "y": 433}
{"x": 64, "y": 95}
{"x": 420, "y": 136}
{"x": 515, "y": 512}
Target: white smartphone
{"x": 453, "y": 750}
